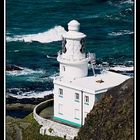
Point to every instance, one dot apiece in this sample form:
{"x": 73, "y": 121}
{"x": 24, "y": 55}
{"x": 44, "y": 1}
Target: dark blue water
{"x": 33, "y": 28}
{"x": 18, "y": 113}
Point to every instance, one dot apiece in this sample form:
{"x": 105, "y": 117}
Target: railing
{"x": 91, "y": 57}
{"x": 71, "y": 57}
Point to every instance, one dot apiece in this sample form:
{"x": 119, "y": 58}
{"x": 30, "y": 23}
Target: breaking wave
{"x": 24, "y": 71}
{"x": 121, "y": 32}
{"x": 127, "y": 1}
{"x": 30, "y": 94}
{"x": 122, "y": 68}
{"x": 54, "y": 75}
{"x": 120, "y": 3}
{"x": 16, "y": 51}
{"x": 54, "y": 34}
{"x": 91, "y": 16}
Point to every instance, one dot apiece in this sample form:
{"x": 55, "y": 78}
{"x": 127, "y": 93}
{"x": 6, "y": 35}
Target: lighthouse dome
{"x": 73, "y": 25}
{"x": 73, "y": 33}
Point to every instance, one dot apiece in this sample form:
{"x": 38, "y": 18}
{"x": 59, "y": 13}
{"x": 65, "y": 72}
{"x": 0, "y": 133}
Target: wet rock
{"x": 13, "y": 68}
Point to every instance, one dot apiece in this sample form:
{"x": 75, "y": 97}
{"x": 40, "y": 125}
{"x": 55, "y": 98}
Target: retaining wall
{"x": 50, "y": 127}
{"x": 39, "y": 108}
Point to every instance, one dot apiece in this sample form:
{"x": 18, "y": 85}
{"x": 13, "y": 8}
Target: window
{"x": 60, "y": 92}
{"x": 60, "y": 111}
{"x": 82, "y": 46}
{"x": 85, "y": 114}
{"x": 77, "y": 97}
{"x": 64, "y": 68}
{"x": 63, "y": 45}
{"x": 76, "y": 114}
{"x": 86, "y": 99}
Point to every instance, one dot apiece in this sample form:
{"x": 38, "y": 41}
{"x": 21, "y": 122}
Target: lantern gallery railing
{"x": 91, "y": 57}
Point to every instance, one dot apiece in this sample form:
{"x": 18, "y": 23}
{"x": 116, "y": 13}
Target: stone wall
{"x": 50, "y": 127}
{"x": 38, "y": 109}
{"x": 57, "y": 129}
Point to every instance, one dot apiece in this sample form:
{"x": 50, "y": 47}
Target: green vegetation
{"x": 19, "y": 106}
{"x": 25, "y": 129}
{"x": 112, "y": 117}
{"x": 47, "y": 112}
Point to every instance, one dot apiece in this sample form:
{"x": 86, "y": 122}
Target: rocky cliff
{"x": 112, "y": 118}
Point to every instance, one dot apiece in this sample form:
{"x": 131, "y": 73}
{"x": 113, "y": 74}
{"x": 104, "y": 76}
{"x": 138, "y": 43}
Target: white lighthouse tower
{"x": 74, "y": 91}
{"x": 73, "y": 62}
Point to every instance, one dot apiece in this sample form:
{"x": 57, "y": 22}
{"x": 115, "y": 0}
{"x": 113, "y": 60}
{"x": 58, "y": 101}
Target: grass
{"x": 29, "y": 128}
{"x": 47, "y": 112}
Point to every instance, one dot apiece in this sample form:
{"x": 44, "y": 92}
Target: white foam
{"x": 130, "y": 62}
{"x": 8, "y": 33}
{"x": 121, "y": 32}
{"x": 51, "y": 57}
{"x": 31, "y": 94}
{"x": 122, "y": 68}
{"x": 91, "y": 16}
{"x": 112, "y": 17}
{"x": 16, "y": 51}
{"x": 54, "y": 34}
{"x": 24, "y": 71}
{"x": 54, "y": 75}
{"x": 127, "y": 1}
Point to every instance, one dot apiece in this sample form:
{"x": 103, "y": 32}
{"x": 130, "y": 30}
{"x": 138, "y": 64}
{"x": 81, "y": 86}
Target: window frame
{"x": 60, "y": 110}
{"x": 60, "y": 92}
{"x": 64, "y": 68}
{"x": 85, "y": 100}
{"x": 85, "y": 114}
{"x": 77, "y": 100}
{"x": 76, "y": 114}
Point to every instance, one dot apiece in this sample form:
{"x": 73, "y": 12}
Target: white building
{"x": 74, "y": 91}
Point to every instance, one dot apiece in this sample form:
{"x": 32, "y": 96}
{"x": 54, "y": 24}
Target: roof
{"x": 94, "y": 84}
{"x": 74, "y": 35}
{"x": 74, "y": 23}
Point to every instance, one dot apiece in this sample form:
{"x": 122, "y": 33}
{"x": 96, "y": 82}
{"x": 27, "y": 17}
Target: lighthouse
{"x": 72, "y": 58}
{"x": 74, "y": 91}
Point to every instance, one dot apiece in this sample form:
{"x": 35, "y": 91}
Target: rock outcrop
{"x": 13, "y": 68}
{"x": 112, "y": 118}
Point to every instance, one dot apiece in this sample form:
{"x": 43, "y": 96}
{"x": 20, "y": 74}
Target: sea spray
{"x": 54, "y": 34}
{"x": 24, "y": 71}
{"x": 120, "y": 33}
{"x": 31, "y": 94}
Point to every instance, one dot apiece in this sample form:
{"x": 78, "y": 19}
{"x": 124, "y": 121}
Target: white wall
{"x": 87, "y": 108}
{"x": 69, "y": 103}
{"x": 74, "y": 71}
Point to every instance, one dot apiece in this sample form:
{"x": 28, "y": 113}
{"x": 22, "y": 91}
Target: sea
{"x": 34, "y": 29}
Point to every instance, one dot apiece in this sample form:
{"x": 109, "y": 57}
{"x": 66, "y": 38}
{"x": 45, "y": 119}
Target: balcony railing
{"x": 90, "y": 56}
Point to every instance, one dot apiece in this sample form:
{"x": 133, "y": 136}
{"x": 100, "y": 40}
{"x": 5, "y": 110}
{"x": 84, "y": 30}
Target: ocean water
{"x": 34, "y": 29}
